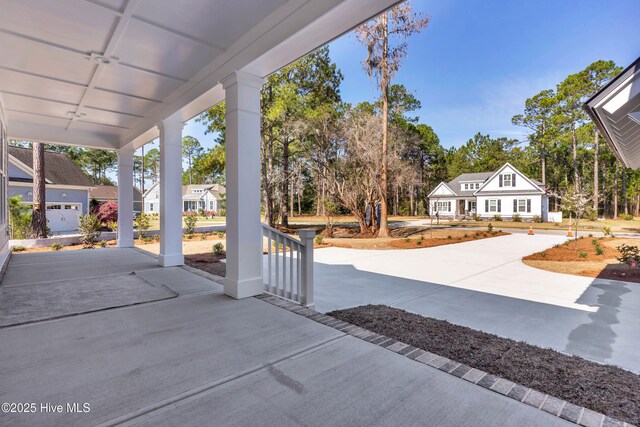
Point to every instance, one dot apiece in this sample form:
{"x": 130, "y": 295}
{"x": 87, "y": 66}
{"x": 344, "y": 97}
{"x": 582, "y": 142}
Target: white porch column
{"x": 244, "y": 231}
{"x": 125, "y": 197}
{"x": 171, "y": 193}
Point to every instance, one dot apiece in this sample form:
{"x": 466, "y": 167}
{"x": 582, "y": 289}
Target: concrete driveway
{"x": 484, "y": 285}
{"x": 204, "y": 359}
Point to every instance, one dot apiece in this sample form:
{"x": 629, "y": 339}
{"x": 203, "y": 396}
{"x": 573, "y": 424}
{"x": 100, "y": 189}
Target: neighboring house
{"x": 67, "y": 186}
{"x": 487, "y": 194}
{"x": 207, "y": 197}
{"x": 103, "y": 193}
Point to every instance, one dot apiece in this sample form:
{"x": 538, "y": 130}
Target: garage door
{"x": 63, "y": 218}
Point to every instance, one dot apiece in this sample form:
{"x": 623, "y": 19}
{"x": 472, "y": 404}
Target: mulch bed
{"x": 603, "y": 388}
{"x": 208, "y": 262}
{"x": 426, "y": 242}
{"x": 580, "y": 257}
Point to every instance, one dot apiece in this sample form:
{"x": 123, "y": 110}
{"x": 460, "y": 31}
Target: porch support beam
{"x": 171, "y": 192}
{"x": 125, "y": 197}
{"x": 244, "y": 231}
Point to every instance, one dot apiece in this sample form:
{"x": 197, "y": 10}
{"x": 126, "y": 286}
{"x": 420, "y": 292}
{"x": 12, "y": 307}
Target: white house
{"x": 487, "y": 194}
{"x": 208, "y": 197}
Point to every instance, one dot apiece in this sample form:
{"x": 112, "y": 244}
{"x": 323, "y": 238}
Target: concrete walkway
{"x": 484, "y": 285}
{"x": 205, "y": 359}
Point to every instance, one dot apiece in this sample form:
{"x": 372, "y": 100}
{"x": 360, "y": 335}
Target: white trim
{"x": 511, "y": 188}
{"x": 23, "y": 167}
{"x": 453, "y": 193}
{"x": 60, "y": 186}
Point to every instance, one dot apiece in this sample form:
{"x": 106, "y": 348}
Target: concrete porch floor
{"x": 202, "y": 358}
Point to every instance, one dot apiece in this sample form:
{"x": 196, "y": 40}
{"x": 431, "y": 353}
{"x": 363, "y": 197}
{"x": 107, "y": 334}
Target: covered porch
{"x": 185, "y": 354}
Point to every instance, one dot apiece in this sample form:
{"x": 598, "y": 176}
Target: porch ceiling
{"x": 615, "y": 110}
{"x": 102, "y": 73}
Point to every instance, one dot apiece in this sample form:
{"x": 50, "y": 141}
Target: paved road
{"x": 484, "y": 285}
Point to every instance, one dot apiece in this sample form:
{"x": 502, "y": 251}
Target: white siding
{"x": 506, "y": 206}
{"x": 449, "y": 208}
{"x": 4, "y": 183}
{"x": 442, "y": 190}
{"x": 493, "y": 185}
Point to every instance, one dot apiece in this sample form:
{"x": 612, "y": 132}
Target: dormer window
{"x": 508, "y": 180}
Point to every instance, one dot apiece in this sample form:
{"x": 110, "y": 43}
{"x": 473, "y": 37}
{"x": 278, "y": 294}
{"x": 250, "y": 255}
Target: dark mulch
{"x": 207, "y": 262}
{"x": 604, "y": 388}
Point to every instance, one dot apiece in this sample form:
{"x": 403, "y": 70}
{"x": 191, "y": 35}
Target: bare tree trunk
{"x": 574, "y": 143}
{"x": 291, "y": 198}
{"x": 596, "y": 172}
{"x": 39, "y": 212}
{"x": 384, "y": 79}
{"x": 396, "y": 199}
{"x": 299, "y": 203}
{"x": 625, "y": 202}
{"x": 638, "y": 205}
{"x": 411, "y": 200}
{"x": 615, "y": 191}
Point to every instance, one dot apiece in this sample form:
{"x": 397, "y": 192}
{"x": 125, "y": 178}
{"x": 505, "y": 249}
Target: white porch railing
{"x": 287, "y": 269}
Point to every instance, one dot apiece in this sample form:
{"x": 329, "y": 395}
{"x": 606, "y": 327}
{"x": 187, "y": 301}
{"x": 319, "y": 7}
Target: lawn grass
{"x": 607, "y": 389}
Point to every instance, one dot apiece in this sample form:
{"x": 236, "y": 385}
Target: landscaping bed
{"x": 581, "y": 257}
{"x": 608, "y": 389}
{"x": 404, "y": 238}
{"x": 208, "y": 262}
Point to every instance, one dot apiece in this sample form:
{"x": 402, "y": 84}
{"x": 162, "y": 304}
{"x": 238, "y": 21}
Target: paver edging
{"x": 560, "y": 408}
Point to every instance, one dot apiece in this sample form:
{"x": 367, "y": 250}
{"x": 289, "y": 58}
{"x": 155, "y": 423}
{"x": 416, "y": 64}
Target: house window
{"x": 522, "y": 205}
{"x": 210, "y": 205}
{"x": 150, "y": 207}
{"x": 492, "y": 205}
{"x": 444, "y": 207}
{"x": 157, "y": 194}
{"x": 477, "y": 185}
{"x": 507, "y": 180}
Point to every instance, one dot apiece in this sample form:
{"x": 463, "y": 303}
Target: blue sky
{"x": 477, "y": 61}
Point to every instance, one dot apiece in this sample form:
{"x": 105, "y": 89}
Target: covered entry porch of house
{"x": 117, "y": 74}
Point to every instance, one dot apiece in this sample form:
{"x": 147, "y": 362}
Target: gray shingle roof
{"x": 456, "y": 184}
{"x": 58, "y": 167}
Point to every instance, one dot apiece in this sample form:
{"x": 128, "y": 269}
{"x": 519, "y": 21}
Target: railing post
{"x": 306, "y": 237}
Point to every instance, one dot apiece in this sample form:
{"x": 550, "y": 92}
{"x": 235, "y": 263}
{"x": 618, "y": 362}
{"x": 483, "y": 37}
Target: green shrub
{"x": 319, "y": 239}
{"x": 476, "y": 217}
{"x": 516, "y": 217}
{"x": 222, "y": 212}
{"x": 221, "y": 234}
{"x": 599, "y": 250}
{"x": 606, "y": 231}
{"x": 583, "y": 254}
{"x": 190, "y": 221}
{"x": 57, "y": 246}
{"x": 489, "y": 228}
{"x": 466, "y": 235}
{"x": 628, "y": 254}
{"x": 19, "y": 219}
{"x": 147, "y": 239}
{"x": 418, "y": 242}
{"x": 103, "y": 243}
{"x": 537, "y": 218}
{"x": 594, "y": 242}
{"x": 591, "y": 215}
{"x": 543, "y": 254}
{"x": 626, "y": 217}
{"x": 556, "y": 245}
{"x": 407, "y": 240}
{"x": 203, "y": 236}
{"x": 142, "y": 223}
{"x": 218, "y": 249}
{"x": 590, "y": 235}
{"x": 497, "y": 217}
{"x": 89, "y": 227}
{"x": 449, "y": 236}
{"x": 18, "y": 248}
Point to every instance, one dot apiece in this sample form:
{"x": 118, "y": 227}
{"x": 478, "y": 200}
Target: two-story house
{"x": 505, "y": 193}
{"x": 208, "y": 197}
